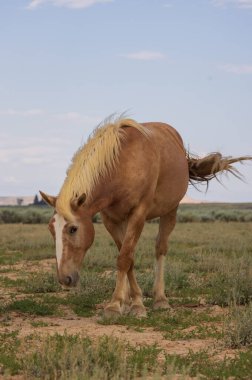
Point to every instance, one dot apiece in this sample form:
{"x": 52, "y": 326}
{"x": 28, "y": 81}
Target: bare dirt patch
{"x": 90, "y": 327}
{"x": 72, "y": 324}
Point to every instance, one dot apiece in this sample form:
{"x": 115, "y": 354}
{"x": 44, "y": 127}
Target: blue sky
{"x": 67, "y": 64}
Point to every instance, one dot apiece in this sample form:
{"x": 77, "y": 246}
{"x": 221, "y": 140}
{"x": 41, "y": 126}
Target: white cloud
{"x": 69, "y": 117}
{"x": 23, "y": 113}
{"x": 10, "y": 179}
{"x": 168, "y": 5}
{"x": 244, "y": 4}
{"x": 145, "y": 55}
{"x": 237, "y": 69}
{"x": 31, "y": 150}
{"x": 77, "y": 117}
{"x": 74, "y": 4}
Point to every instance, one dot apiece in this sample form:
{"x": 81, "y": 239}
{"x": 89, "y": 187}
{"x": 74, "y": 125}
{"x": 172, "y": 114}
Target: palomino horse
{"x": 130, "y": 173}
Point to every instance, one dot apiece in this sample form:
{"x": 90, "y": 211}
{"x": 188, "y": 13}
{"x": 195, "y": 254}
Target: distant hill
{"x": 187, "y": 199}
{"x": 17, "y": 201}
{"x": 27, "y": 200}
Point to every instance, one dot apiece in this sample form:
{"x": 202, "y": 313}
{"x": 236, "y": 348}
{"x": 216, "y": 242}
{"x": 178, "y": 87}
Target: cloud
{"x": 77, "y": 117}
{"x": 74, "y": 4}
{"x": 23, "y": 113}
{"x": 10, "y": 179}
{"x": 31, "y": 150}
{"x": 237, "y": 69}
{"x": 168, "y": 5}
{"x": 145, "y": 55}
{"x": 244, "y": 4}
{"x": 68, "y": 117}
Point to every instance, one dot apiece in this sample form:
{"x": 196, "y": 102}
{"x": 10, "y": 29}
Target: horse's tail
{"x": 206, "y": 168}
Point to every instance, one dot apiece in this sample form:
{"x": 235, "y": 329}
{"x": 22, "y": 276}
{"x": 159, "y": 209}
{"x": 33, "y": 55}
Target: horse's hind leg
{"x": 166, "y": 226}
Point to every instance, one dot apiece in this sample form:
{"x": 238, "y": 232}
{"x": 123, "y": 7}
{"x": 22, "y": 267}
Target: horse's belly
{"x": 171, "y": 188}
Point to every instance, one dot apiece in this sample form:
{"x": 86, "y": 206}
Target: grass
{"x": 202, "y": 366}
{"x": 238, "y": 327}
{"x": 30, "y": 306}
{"x": 207, "y": 265}
{"x": 187, "y": 213}
{"x": 107, "y": 359}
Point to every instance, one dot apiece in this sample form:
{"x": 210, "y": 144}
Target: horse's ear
{"x": 78, "y": 202}
{"x": 49, "y": 199}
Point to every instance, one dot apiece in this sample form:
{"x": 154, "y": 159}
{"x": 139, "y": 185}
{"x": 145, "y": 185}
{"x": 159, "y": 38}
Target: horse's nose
{"x": 70, "y": 280}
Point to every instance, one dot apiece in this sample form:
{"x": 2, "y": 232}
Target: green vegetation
{"x": 25, "y": 214}
{"x": 211, "y": 212}
{"x": 208, "y": 278}
{"x": 9, "y": 345}
{"x": 30, "y": 306}
{"x": 238, "y": 327}
{"x": 187, "y": 213}
{"x": 201, "y": 365}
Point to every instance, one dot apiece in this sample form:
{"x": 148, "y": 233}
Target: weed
{"x": 30, "y": 306}
{"x": 143, "y": 358}
{"x": 238, "y": 327}
{"x": 93, "y": 289}
{"x": 39, "y": 324}
{"x": 203, "y": 366}
{"x": 84, "y": 360}
{"x": 9, "y": 344}
{"x": 41, "y": 283}
{"x": 232, "y": 282}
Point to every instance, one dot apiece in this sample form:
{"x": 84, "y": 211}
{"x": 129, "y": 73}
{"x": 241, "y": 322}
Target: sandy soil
{"x": 72, "y": 324}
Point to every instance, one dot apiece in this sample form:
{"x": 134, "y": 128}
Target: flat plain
{"x": 47, "y": 332}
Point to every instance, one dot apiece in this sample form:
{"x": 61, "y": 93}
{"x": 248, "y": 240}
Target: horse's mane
{"x": 95, "y": 159}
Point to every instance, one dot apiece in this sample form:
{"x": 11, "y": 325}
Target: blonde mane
{"x": 96, "y": 159}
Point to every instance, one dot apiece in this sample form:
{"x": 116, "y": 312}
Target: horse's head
{"x": 72, "y": 239}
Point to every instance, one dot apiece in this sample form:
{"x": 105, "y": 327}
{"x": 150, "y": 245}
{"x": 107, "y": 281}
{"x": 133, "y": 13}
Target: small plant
{"x": 238, "y": 327}
{"x": 143, "y": 359}
{"x": 9, "y": 344}
{"x": 232, "y": 282}
{"x": 85, "y": 360}
{"x": 30, "y": 306}
{"x": 41, "y": 283}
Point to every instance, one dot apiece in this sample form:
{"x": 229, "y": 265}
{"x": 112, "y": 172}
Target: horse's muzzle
{"x": 70, "y": 280}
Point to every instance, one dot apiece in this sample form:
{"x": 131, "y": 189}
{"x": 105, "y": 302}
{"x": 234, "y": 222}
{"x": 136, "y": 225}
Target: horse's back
{"x": 173, "y": 176}
{"x": 152, "y": 170}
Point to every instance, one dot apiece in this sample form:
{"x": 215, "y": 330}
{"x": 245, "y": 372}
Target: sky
{"x": 65, "y": 65}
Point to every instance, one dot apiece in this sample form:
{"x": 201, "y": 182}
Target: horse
{"x": 130, "y": 173}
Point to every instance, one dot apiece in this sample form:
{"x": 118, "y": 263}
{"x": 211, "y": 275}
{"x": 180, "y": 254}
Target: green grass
{"x": 30, "y": 306}
{"x": 76, "y": 357}
{"x": 208, "y": 264}
{"x": 40, "y": 282}
{"x": 238, "y": 327}
{"x": 173, "y": 324}
{"x": 107, "y": 359}
{"x": 9, "y": 346}
{"x": 202, "y": 366}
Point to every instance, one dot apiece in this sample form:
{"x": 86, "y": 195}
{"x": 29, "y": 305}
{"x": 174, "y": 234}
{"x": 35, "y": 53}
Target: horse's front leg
{"x": 124, "y": 264}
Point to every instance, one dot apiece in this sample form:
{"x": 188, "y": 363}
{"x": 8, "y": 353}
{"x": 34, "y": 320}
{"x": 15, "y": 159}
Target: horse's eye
{"x": 73, "y": 229}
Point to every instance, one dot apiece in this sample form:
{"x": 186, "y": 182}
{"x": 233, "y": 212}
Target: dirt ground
{"x": 72, "y": 324}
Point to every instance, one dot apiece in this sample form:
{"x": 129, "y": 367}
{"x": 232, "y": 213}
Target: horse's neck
{"x": 97, "y": 202}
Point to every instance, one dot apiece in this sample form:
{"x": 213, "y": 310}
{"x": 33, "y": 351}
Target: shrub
{"x": 232, "y": 283}
{"x": 238, "y": 327}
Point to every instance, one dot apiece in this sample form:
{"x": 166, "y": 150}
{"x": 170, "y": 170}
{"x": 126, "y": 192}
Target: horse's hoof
{"x": 162, "y": 304}
{"x": 125, "y": 309}
{"x": 112, "y": 311}
{"x": 138, "y": 311}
